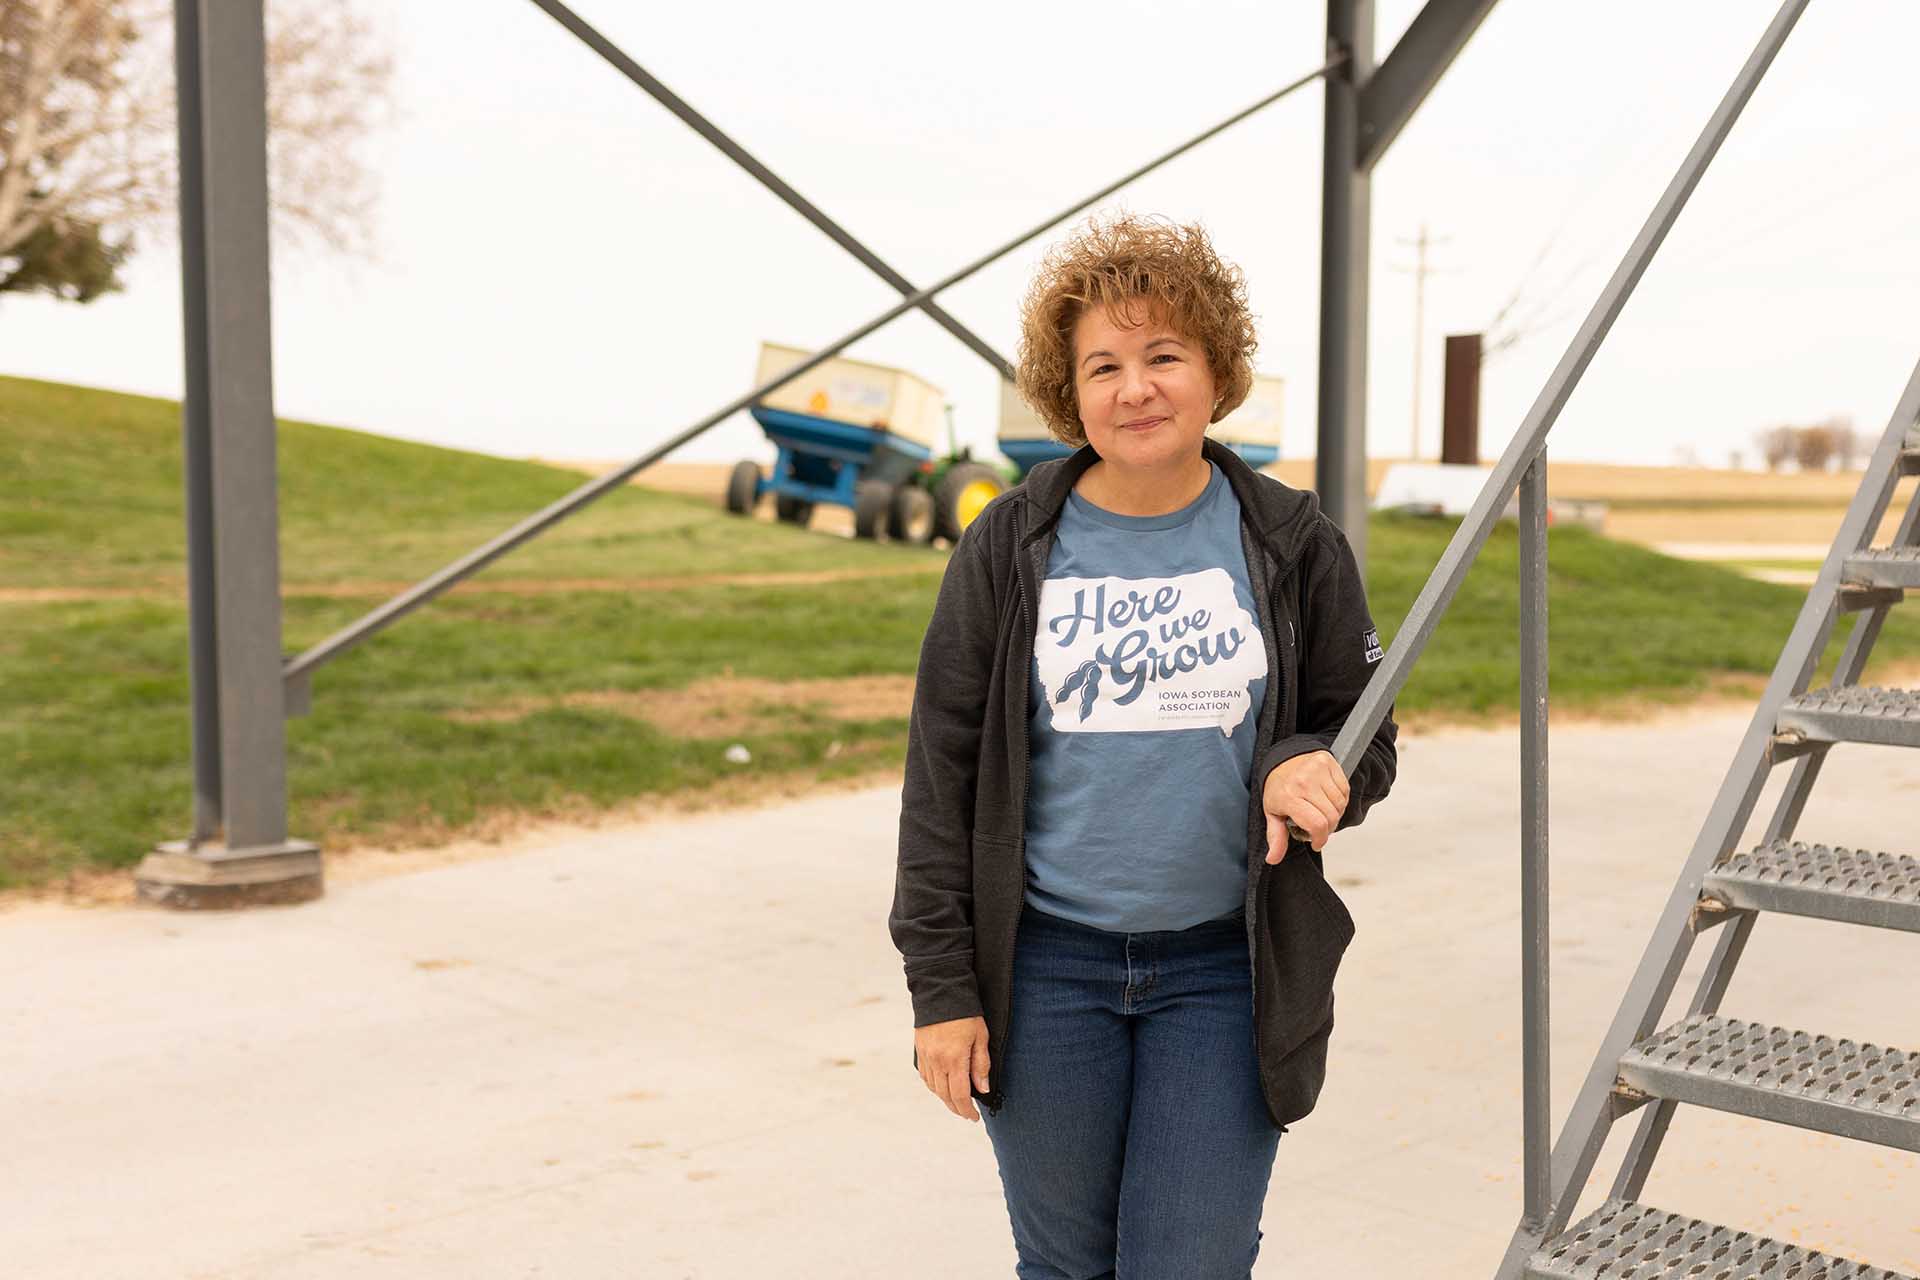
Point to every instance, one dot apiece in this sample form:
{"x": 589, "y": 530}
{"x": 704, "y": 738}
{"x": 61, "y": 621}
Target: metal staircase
{"x": 1645, "y": 1065}
{"x": 1867, "y": 1092}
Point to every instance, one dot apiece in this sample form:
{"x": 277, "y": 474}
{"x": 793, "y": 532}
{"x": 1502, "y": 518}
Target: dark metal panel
{"x": 1460, "y": 404}
{"x": 1425, "y": 50}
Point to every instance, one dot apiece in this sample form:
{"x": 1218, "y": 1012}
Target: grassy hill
{"x": 547, "y": 685}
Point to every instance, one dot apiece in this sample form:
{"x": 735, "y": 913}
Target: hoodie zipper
{"x": 1023, "y": 621}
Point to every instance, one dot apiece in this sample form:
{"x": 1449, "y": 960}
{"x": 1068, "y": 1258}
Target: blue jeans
{"x": 1133, "y": 1140}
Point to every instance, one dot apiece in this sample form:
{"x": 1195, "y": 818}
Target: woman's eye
{"x": 1166, "y": 355}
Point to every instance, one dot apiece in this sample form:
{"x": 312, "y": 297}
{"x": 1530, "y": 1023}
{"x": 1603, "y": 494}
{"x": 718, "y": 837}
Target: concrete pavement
{"x": 682, "y": 1049}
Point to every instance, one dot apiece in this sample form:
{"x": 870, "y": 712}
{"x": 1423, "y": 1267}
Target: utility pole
{"x": 1420, "y": 271}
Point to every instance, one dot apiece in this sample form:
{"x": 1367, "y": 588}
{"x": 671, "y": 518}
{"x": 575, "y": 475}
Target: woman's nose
{"x": 1134, "y": 386}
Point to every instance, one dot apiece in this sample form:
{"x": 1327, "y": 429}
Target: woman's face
{"x": 1146, "y": 392}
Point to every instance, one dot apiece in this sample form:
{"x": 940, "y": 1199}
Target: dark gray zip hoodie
{"x": 961, "y": 879}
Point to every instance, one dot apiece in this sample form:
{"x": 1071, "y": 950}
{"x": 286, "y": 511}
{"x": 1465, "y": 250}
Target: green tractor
{"x": 961, "y": 485}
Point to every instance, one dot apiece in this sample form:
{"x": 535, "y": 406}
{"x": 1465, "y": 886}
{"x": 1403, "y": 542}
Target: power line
{"x": 1420, "y": 271}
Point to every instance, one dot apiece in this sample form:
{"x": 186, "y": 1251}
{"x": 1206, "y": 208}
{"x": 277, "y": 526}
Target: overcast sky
{"x": 567, "y": 270}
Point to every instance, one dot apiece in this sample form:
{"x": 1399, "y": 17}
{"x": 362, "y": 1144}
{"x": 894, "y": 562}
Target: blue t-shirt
{"x": 1148, "y": 674}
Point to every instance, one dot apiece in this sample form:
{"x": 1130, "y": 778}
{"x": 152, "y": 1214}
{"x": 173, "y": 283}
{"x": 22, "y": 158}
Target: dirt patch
{"x": 429, "y": 843}
{"x": 724, "y": 706}
{"x": 1811, "y": 526}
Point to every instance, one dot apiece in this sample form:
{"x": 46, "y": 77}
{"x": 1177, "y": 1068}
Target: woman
{"x": 1136, "y": 663}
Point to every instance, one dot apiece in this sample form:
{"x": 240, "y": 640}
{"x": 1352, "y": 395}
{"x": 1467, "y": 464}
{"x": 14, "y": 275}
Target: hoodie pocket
{"x": 1308, "y": 930}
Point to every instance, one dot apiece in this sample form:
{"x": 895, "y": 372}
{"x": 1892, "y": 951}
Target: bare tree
{"x": 1851, "y": 447}
{"x": 1815, "y": 447}
{"x": 1776, "y": 446}
{"x": 87, "y": 132}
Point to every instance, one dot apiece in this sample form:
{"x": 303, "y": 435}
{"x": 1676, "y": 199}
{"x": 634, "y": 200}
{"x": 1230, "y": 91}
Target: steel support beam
{"x": 196, "y": 434}
{"x": 766, "y": 177}
{"x": 1422, "y": 55}
{"x": 231, "y": 483}
{"x": 299, "y": 671}
{"x": 1346, "y": 235}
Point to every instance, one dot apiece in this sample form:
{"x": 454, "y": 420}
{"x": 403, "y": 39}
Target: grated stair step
{"x": 1854, "y": 713}
{"x": 1883, "y": 567}
{"x": 1910, "y": 454}
{"x": 1852, "y": 886}
{"x": 1625, "y": 1241}
{"x": 1815, "y": 1082}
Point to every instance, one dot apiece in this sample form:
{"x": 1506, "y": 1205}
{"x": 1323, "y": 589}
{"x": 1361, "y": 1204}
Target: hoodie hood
{"x": 1282, "y": 517}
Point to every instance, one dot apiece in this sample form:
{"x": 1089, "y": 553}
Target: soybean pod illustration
{"x": 1085, "y": 678}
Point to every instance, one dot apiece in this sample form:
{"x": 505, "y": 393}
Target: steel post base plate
{"x": 1842, "y": 1087}
{"x": 1625, "y": 1241}
{"x": 211, "y": 876}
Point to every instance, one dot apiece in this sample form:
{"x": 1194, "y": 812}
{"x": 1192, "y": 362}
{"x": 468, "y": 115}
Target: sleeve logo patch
{"x": 1371, "y": 641}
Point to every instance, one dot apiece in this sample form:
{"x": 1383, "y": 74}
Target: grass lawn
{"x": 93, "y": 705}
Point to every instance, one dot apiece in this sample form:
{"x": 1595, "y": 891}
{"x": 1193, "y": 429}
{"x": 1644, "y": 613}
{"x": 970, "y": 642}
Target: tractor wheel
{"x": 792, "y": 510}
{"x": 964, "y": 490}
{"x": 871, "y": 501}
{"x": 910, "y": 514}
{"x": 743, "y": 487}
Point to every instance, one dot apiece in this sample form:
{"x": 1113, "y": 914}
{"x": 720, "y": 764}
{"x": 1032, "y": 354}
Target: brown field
{"x": 1651, "y": 505}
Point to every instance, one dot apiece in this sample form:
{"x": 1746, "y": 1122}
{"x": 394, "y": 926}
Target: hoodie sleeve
{"x": 932, "y": 916}
{"x": 1339, "y": 652}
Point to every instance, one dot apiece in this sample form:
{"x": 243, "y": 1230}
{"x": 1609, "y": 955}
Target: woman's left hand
{"x": 1311, "y": 791}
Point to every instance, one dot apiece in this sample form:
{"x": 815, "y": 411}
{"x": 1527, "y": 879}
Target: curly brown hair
{"x": 1116, "y": 264}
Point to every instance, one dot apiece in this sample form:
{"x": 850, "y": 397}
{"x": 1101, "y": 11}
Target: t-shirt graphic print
{"x": 1148, "y": 677}
{"x": 1131, "y": 655}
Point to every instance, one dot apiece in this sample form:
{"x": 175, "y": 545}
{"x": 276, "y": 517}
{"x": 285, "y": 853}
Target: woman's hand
{"x": 1311, "y": 791}
{"x": 952, "y": 1055}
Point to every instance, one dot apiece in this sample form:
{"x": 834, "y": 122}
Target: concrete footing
{"x": 210, "y": 876}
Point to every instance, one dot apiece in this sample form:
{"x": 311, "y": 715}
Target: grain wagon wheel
{"x": 743, "y": 487}
{"x": 910, "y": 514}
{"x": 792, "y": 510}
{"x": 964, "y": 491}
{"x": 872, "y": 500}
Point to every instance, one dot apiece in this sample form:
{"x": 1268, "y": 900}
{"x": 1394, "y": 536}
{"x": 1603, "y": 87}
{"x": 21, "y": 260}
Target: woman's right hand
{"x": 952, "y": 1055}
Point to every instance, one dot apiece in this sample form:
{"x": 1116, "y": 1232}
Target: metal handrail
{"x": 298, "y": 670}
{"x": 1522, "y": 467}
